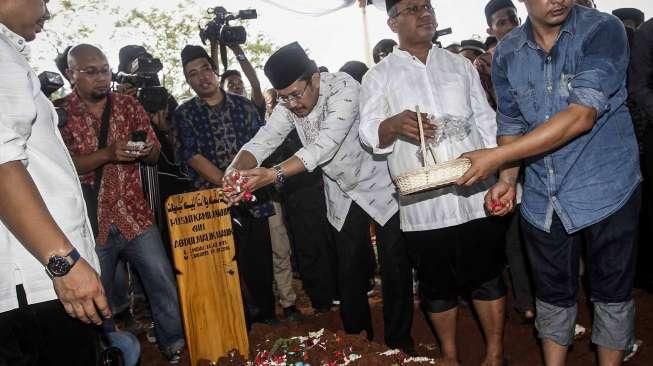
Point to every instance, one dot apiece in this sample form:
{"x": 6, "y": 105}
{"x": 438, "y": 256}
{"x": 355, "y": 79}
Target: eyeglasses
{"x": 414, "y": 10}
{"x": 92, "y": 72}
{"x": 287, "y": 99}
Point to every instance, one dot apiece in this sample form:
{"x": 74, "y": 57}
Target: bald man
{"x": 100, "y": 134}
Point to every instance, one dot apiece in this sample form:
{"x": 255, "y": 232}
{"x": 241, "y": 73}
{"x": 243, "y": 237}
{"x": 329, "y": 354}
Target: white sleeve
{"x": 269, "y": 136}
{"x": 341, "y": 113}
{"x": 374, "y": 109}
{"x": 484, "y": 116}
{"x": 17, "y": 111}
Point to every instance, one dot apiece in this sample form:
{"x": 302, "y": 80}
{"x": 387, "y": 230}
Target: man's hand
{"x": 145, "y": 152}
{"x": 230, "y": 187}
{"x": 405, "y": 125}
{"x": 81, "y": 293}
{"x": 500, "y": 199}
{"x": 485, "y": 162}
{"x": 258, "y": 178}
{"x": 127, "y": 89}
{"x": 119, "y": 152}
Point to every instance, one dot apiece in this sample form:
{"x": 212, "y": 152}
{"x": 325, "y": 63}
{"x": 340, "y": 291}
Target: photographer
{"x": 234, "y": 82}
{"x": 101, "y": 134}
{"x": 137, "y": 77}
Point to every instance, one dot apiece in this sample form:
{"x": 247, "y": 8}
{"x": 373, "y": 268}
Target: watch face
{"x": 58, "y": 265}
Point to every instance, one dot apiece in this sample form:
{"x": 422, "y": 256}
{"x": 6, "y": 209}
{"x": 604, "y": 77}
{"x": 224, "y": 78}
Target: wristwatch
{"x": 280, "y": 178}
{"x": 59, "y": 266}
{"x": 241, "y": 57}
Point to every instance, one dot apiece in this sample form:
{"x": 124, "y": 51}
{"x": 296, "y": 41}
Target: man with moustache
{"x": 50, "y": 291}
{"x": 458, "y": 250}
{"x": 323, "y": 108}
{"x": 561, "y": 86}
{"x": 125, "y": 221}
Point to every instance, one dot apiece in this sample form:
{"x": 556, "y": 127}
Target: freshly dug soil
{"x": 335, "y": 348}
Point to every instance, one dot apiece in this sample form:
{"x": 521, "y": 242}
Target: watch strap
{"x": 72, "y": 257}
{"x": 280, "y": 179}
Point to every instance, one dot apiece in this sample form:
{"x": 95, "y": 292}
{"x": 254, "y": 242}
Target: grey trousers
{"x": 281, "y": 264}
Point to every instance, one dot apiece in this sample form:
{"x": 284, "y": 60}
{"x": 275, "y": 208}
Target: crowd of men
{"x": 553, "y": 114}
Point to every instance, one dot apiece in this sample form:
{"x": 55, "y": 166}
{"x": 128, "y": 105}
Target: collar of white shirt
{"x": 16, "y": 41}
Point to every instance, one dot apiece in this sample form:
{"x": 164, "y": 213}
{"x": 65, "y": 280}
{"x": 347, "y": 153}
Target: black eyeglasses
{"x": 413, "y": 10}
{"x": 92, "y": 72}
{"x": 287, "y": 99}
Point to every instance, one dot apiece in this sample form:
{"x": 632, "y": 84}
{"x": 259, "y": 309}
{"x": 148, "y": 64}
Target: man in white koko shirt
{"x": 457, "y": 247}
{"x": 43, "y": 217}
{"x": 323, "y": 107}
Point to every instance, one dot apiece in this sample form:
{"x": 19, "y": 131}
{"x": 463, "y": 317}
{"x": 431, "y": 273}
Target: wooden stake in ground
{"x": 207, "y": 275}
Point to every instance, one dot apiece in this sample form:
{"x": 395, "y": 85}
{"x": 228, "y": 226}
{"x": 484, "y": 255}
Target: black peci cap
{"x": 287, "y": 65}
{"x": 192, "y": 52}
{"x": 633, "y": 14}
{"x": 472, "y": 44}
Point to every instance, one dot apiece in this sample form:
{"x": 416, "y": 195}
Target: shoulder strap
{"x": 102, "y": 139}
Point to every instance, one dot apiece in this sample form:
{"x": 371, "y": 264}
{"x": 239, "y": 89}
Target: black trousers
{"x": 313, "y": 243}
{"x": 396, "y": 284}
{"x": 518, "y": 265}
{"x": 44, "y": 334}
{"x": 254, "y": 256}
{"x": 352, "y": 246}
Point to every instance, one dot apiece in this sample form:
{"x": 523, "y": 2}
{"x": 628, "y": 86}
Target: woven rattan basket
{"x": 430, "y": 176}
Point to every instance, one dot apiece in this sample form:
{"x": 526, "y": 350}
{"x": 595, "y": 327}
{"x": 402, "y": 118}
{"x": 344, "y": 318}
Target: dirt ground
{"x": 520, "y": 341}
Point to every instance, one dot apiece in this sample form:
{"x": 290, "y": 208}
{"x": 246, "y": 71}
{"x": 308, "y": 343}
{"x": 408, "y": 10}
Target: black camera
{"x": 219, "y": 30}
{"x": 50, "y": 82}
{"x": 142, "y": 74}
{"x": 441, "y": 32}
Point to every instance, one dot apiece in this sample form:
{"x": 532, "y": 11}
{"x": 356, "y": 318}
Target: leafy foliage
{"x": 163, "y": 32}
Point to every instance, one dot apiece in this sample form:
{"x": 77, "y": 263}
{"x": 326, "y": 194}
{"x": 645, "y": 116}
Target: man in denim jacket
{"x": 561, "y": 85}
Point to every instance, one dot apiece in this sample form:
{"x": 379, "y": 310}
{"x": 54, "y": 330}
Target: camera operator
{"x": 233, "y": 81}
{"x": 166, "y": 178}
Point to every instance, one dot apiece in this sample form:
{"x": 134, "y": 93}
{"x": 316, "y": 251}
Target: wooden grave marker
{"x": 207, "y": 275}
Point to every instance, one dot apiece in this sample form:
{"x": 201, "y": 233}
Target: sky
{"x": 331, "y": 40}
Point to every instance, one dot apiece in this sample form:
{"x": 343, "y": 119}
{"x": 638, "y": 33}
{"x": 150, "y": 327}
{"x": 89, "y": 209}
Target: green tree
{"x": 165, "y": 33}
{"x": 162, "y": 32}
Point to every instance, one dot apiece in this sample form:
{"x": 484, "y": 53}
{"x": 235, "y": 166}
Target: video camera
{"x": 441, "y": 32}
{"x": 219, "y": 30}
{"x": 50, "y": 82}
{"x": 142, "y": 74}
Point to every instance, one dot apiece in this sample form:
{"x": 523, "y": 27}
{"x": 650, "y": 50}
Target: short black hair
{"x": 384, "y": 46}
{"x": 227, "y": 74}
{"x": 355, "y": 69}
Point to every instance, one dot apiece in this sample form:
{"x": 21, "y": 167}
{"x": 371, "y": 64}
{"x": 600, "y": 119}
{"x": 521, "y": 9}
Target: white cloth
{"x": 29, "y": 133}
{"x": 330, "y": 138}
{"x": 447, "y": 87}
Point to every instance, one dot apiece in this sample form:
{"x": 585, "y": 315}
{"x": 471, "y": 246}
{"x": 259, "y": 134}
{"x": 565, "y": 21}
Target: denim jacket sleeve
{"x": 601, "y": 71}
{"x": 510, "y": 120}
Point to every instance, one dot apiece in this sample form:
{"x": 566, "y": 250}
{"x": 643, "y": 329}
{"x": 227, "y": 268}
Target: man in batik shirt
{"x": 212, "y": 127}
{"x": 125, "y": 222}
